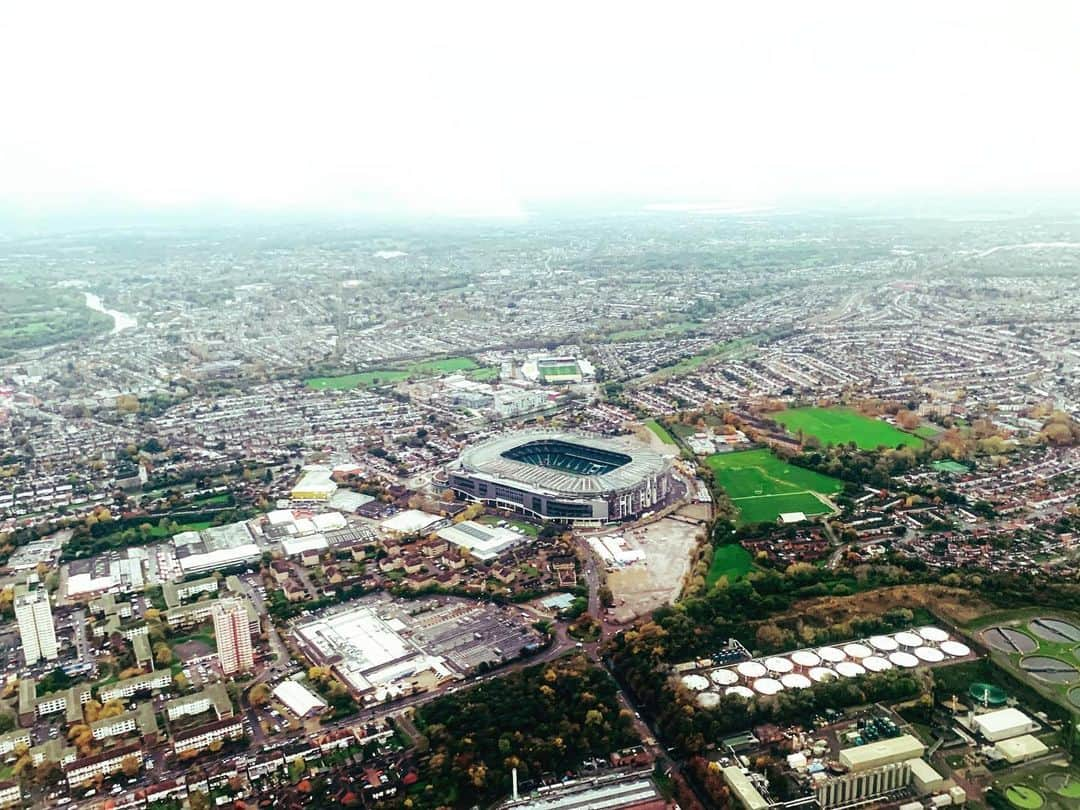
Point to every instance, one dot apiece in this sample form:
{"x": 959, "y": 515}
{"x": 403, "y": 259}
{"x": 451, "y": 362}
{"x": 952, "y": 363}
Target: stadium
{"x": 562, "y": 476}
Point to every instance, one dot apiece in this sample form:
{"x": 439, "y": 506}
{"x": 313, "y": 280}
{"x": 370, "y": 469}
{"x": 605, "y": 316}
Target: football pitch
{"x": 843, "y": 425}
{"x": 762, "y": 486}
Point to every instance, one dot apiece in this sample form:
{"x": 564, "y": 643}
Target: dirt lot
{"x": 645, "y": 586}
{"x": 952, "y": 604}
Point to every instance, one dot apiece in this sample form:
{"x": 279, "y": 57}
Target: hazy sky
{"x": 477, "y": 108}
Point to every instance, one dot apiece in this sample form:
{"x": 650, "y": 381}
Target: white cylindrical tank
{"x": 793, "y": 680}
{"x": 857, "y": 651}
{"x": 778, "y": 665}
{"x": 822, "y": 674}
{"x": 909, "y": 640}
{"x": 884, "y": 643}
{"x": 903, "y": 659}
{"x": 931, "y": 655}
{"x": 955, "y": 649}
{"x": 739, "y": 691}
{"x": 935, "y": 635}
{"x": 806, "y": 658}
{"x": 875, "y": 663}
{"x": 831, "y": 654}
{"x": 849, "y": 669}
{"x": 751, "y": 669}
{"x": 724, "y": 677}
{"x": 768, "y": 686}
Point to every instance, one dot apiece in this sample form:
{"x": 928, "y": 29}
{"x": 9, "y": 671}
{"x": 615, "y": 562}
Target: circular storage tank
{"x": 739, "y": 691}
{"x": 698, "y": 683}
{"x": 708, "y": 700}
{"x": 806, "y": 659}
{"x": 768, "y": 686}
{"x": 875, "y": 663}
{"x": 858, "y": 651}
{"x": 793, "y": 680}
{"x": 903, "y": 659}
{"x": 955, "y": 649}
{"x": 724, "y": 677}
{"x": 822, "y": 674}
{"x": 906, "y": 639}
{"x": 779, "y": 665}
{"x": 849, "y": 669}
{"x": 751, "y": 669}
{"x": 831, "y": 654}
{"x": 935, "y": 635}
{"x": 931, "y": 655}
{"x": 884, "y": 643}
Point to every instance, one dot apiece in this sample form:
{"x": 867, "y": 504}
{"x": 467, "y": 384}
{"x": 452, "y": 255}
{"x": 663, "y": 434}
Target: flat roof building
{"x": 298, "y": 699}
{"x": 1004, "y": 723}
{"x": 747, "y": 795}
{"x": 1020, "y": 749}
{"x": 882, "y": 752}
{"x": 482, "y": 542}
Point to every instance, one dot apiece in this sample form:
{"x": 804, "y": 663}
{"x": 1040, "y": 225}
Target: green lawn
{"x": 843, "y": 425}
{"x": 731, "y": 561}
{"x": 763, "y": 486}
{"x": 659, "y": 430}
{"x": 927, "y": 431}
{"x": 385, "y": 376}
{"x": 559, "y": 371}
{"x": 485, "y": 373}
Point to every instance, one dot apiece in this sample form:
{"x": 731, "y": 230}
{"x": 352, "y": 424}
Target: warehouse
{"x": 749, "y": 797}
{"x": 882, "y": 752}
{"x": 1020, "y": 749}
{"x": 299, "y": 700}
{"x": 1003, "y": 724}
{"x": 924, "y": 777}
{"x": 482, "y": 542}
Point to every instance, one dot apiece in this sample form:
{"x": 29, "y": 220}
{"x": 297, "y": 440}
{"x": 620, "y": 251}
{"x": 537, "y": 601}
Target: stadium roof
{"x": 487, "y": 459}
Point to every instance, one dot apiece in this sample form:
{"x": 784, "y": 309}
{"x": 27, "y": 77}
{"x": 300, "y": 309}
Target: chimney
{"x": 513, "y": 774}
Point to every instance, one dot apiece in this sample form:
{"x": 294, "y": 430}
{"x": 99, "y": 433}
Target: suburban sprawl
{"x": 755, "y": 510}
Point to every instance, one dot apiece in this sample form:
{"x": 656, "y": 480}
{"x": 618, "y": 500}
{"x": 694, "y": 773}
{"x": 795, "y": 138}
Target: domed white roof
{"x": 751, "y": 669}
{"x": 768, "y": 686}
{"x": 724, "y": 677}
{"x": 805, "y": 658}
{"x": 708, "y": 700}
{"x": 793, "y": 680}
{"x": 907, "y": 639}
{"x": 930, "y": 654}
{"x": 875, "y": 663}
{"x": 741, "y": 691}
{"x": 857, "y": 650}
{"x": 955, "y": 649}
{"x": 849, "y": 669}
{"x": 831, "y": 654}
{"x": 883, "y": 643}
{"x": 778, "y": 665}
{"x": 903, "y": 659}
{"x": 933, "y": 634}
{"x": 697, "y": 683}
{"x": 823, "y": 674}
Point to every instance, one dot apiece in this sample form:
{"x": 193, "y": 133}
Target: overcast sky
{"x": 470, "y": 108}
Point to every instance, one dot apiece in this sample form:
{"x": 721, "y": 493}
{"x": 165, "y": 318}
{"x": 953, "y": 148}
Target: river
{"x": 121, "y": 320}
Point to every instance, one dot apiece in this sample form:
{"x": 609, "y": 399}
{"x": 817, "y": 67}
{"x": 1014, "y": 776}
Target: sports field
{"x": 384, "y": 376}
{"x": 731, "y": 561}
{"x": 843, "y": 425}
{"x": 559, "y": 371}
{"x": 763, "y": 486}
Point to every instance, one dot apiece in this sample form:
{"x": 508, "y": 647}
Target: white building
{"x": 36, "y": 629}
{"x": 298, "y": 699}
{"x": 482, "y": 542}
{"x": 232, "y": 632}
{"x": 1003, "y": 724}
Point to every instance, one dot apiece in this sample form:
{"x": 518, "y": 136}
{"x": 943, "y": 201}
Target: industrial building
{"x": 856, "y": 786}
{"x": 1003, "y": 724}
{"x": 481, "y": 542}
{"x": 1020, "y": 749}
{"x": 563, "y": 476}
{"x": 215, "y": 549}
{"x": 882, "y": 752}
{"x": 316, "y": 485}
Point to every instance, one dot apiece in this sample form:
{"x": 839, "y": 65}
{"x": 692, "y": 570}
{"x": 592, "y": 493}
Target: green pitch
{"x": 558, "y": 371}
{"x": 843, "y": 425}
{"x": 763, "y": 486}
{"x": 731, "y": 561}
{"x": 385, "y": 376}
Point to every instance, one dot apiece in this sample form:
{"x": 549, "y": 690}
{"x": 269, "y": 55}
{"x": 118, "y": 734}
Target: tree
{"x": 130, "y": 766}
{"x": 163, "y": 654}
{"x": 259, "y": 694}
{"x": 7, "y": 723}
{"x": 197, "y": 800}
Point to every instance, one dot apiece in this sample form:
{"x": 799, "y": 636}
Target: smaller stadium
{"x": 563, "y": 476}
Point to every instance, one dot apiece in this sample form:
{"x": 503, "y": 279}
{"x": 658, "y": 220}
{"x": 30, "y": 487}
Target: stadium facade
{"x": 563, "y": 476}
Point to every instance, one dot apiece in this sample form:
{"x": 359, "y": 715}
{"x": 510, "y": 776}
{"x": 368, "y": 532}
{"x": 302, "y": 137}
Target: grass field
{"x": 659, "y": 430}
{"x": 843, "y": 425}
{"x": 762, "y": 486}
{"x": 559, "y": 371}
{"x": 385, "y": 376}
{"x": 949, "y": 466}
{"x": 654, "y": 332}
{"x": 743, "y": 347}
{"x": 731, "y": 561}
